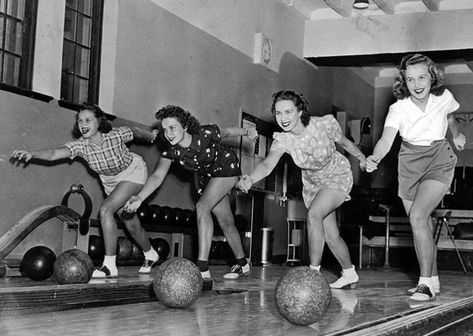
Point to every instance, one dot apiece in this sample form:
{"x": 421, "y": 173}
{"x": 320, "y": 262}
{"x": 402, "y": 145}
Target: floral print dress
{"x": 314, "y": 151}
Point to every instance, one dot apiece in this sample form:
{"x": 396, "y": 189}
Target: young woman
{"x": 421, "y": 115}
{"x": 121, "y": 172}
{"x": 199, "y": 148}
{"x": 326, "y": 174}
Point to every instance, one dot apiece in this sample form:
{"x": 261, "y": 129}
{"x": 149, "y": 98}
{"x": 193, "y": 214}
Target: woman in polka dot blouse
{"x": 199, "y": 148}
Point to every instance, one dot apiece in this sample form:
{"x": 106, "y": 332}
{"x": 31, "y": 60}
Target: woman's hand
{"x": 21, "y": 155}
{"x": 132, "y": 205}
{"x": 252, "y": 134}
{"x": 154, "y": 133}
{"x": 244, "y": 183}
{"x": 459, "y": 141}
{"x": 371, "y": 164}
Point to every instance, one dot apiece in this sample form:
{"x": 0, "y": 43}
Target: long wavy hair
{"x": 104, "y": 125}
{"x": 184, "y": 117}
{"x": 438, "y": 84}
{"x": 299, "y": 102}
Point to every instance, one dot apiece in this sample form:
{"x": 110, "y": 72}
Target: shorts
{"x": 136, "y": 172}
{"x": 421, "y": 163}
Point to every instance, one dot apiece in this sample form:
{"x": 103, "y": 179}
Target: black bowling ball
{"x": 161, "y": 246}
{"x": 155, "y": 214}
{"x": 38, "y": 263}
{"x": 144, "y": 213}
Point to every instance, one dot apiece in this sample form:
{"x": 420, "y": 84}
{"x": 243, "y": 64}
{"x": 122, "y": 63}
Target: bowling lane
{"x": 246, "y": 307}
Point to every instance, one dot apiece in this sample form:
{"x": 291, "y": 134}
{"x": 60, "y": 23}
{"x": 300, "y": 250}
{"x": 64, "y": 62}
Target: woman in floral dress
{"x": 326, "y": 174}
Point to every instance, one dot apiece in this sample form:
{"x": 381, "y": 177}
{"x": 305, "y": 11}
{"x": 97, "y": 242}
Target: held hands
{"x": 371, "y": 164}
{"x": 21, "y": 155}
{"x": 154, "y": 133}
{"x": 244, "y": 183}
{"x": 132, "y": 205}
{"x": 459, "y": 141}
{"x": 252, "y": 134}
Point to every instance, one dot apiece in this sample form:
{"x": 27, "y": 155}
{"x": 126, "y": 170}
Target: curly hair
{"x": 104, "y": 124}
{"x": 184, "y": 117}
{"x": 438, "y": 84}
{"x": 299, "y": 102}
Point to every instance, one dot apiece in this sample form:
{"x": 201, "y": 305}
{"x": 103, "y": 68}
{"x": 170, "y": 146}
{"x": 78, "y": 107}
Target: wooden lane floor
{"x": 246, "y": 307}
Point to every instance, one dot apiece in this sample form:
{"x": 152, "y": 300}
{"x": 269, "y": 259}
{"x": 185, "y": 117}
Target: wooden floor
{"x": 241, "y": 307}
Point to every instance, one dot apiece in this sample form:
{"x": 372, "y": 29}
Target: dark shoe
{"x": 423, "y": 294}
{"x": 412, "y": 290}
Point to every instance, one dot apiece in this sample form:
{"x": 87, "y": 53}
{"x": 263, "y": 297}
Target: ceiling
{"x": 312, "y": 10}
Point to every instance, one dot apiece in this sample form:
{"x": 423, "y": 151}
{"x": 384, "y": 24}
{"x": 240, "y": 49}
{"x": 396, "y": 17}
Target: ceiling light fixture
{"x": 361, "y": 4}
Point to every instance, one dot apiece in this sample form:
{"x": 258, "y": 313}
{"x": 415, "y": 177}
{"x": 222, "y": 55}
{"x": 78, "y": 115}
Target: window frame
{"x": 25, "y": 73}
{"x": 94, "y": 58}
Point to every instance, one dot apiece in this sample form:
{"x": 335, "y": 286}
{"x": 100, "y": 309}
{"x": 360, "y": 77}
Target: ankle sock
{"x": 110, "y": 262}
{"x": 315, "y": 268}
{"x": 350, "y": 273}
{"x": 435, "y": 282}
{"x": 203, "y": 265}
{"x": 151, "y": 254}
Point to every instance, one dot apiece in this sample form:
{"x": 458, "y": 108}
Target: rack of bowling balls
{"x": 155, "y": 215}
{"x": 128, "y": 252}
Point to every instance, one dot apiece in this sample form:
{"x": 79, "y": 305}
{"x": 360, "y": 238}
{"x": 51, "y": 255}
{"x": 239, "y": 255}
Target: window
{"x": 17, "y": 29}
{"x": 81, "y": 51}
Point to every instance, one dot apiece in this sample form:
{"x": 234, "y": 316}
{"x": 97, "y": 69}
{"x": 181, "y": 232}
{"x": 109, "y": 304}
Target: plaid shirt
{"x": 109, "y": 159}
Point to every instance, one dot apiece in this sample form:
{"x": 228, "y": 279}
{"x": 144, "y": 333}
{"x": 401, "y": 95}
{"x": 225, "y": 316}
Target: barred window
{"x": 17, "y": 29}
{"x": 81, "y": 51}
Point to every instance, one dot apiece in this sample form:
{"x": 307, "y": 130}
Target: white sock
{"x": 349, "y": 273}
{"x": 151, "y": 254}
{"x": 315, "y": 268}
{"x": 110, "y": 262}
{"x": 435, "y": 282}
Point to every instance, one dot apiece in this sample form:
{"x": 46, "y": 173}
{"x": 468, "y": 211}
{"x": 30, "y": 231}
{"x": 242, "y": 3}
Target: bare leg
{"x": 112, "y": 204}
{"x": 323, "y": 205}
{"x": 224, "y": 215}
{"x": 336, "y": 244}
{"x": 429, "y": 195}
{"x": 216, "y": 190}
{"x": 136, "y": 231}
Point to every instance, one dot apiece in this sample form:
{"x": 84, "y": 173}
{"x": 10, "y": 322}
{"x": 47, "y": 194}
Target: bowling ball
{"x": 73, "y": 267}
{"x": 38, "y": 263}
{"x": 124, "y": 248}
{"x": 137, "y": 253}
{"x": 144, "y": 213}
{"x": 161, "y": 246}
{"x": 302, "y": 295}
{"x": 167, "y": 216}
{"x": 96, "y": 248}
{"x": 190, "y": 218}
{"x": 155, "y": 214}
{"x": 179, "y": 217}
{"x": 177, "y": 283}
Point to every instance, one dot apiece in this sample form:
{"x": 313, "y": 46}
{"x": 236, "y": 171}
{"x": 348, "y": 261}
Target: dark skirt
{"x": 421, "y": 163}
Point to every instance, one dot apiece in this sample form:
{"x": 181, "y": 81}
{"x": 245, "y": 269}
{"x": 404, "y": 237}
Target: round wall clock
{"x": 263, "y": 50}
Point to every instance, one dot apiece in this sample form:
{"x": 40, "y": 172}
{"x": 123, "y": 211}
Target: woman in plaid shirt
{"x": 121, "y": 172}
